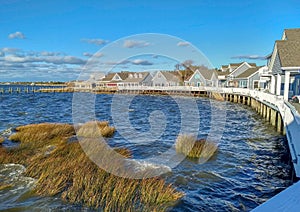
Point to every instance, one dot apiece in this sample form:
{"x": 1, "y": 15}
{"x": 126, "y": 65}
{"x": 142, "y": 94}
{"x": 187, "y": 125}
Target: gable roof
{"x": 206, "y": 74}
{"x": 108, "y": 77}
{"x": 235, "y": 64}
{"x": 171, "y": 76}
{"x": 223, "y": 73}
{"x": 289, "y": 52}
{"x": 292, "y": 34}
{"x": 248, "y": 73}
{"x": 137, "y": 79}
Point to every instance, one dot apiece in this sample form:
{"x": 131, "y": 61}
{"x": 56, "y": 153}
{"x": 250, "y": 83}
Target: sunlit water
{"x": 251, "y": 165}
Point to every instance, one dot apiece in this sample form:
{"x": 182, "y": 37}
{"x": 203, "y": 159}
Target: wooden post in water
{"x": 279, "y": 123}
{"x": 249, "y": 101}
{"x": 273, "y": 118}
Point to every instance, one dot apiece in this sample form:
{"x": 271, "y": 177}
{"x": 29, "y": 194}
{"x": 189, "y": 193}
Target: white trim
{"x": 290, "y": 68}
{"x": 240, "y": 66}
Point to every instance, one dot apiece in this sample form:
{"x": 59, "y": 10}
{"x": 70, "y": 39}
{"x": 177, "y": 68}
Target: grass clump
{"x": 193, "y": 148}
{"x": 1, "y": 140}
{"x": 66, "y": 171}
{"x": 5, "y": 186}
{"x": 96, "y": 129}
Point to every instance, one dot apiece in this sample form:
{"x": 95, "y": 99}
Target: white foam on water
{"x": 145, "y": 168}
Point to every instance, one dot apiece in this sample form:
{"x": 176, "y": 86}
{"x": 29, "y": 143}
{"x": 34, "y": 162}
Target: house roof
{"x": 292, "y": 34}
{"x": 235, "y": 64}
{"x": 171, "y": 76}
{"x": 123, "y": 75}
{"x": 223, "y": 73}
{"x": 207, "y": 74}
{"x": 108, "y": 77}
{"x": 289, "y": 52}
{"x": 248, "y": 73}
{"x": 137, "y": 79}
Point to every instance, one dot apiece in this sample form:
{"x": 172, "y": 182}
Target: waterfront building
{"x": 231, "y": 82}
{"x": 137, "y": 79}
{"x": 203, "y": 77}
{"x": 167, "y": 78}
{"x": 284, "y": 64}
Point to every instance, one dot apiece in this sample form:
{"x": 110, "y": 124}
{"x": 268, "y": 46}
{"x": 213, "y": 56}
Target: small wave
{"x": 7, "y": 132}
{"x": 14, "y": 183}
{"x": 146, "y": 169}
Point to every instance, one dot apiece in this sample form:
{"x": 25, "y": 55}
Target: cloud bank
{"x": 135, "y": 44}
{"x": 16, "y": 35}
{"x": 249, "y": 57}
{"x": 97, "y": 41}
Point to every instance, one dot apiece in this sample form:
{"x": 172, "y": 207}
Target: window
{"x": 255, "y": 85}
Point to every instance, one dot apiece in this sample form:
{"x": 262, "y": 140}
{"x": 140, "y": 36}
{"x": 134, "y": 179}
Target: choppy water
{"x": 251, "y": 165}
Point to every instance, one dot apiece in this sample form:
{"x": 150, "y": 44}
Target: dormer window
{"x": 140, "y": 75}
{"x": 135, "y": 75}
{"x": 130, "y": 76}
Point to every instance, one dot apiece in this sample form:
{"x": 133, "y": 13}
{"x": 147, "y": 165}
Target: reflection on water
{"x": 251, "y": 165}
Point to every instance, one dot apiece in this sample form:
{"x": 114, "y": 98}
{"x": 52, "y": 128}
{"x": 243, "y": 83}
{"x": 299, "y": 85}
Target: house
{"x": 137, "y": 79}
{"x": 231, "y": 82}
{"x": 284, "y": 64}
{"x": 167, "y": 78}
{"x": 249, "y": 78}
{"x": 233, "y": 66}
{"x": 222, "y": 77}
{"x": 113, "y": 79}
{"x": 203, "y": 77}
{"x": 84, "y": 85}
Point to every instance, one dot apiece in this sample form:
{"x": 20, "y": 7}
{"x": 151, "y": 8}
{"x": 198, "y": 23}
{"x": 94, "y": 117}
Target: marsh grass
{"x": 67, "y": 172}
{"x": 96, "y": 129}
{"x": 1, "y": 140}
{"x": 193, "y": 148}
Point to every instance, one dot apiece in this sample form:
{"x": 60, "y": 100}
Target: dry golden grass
{"x": 190, "y": 147}
{"x": 1, "y": 140}
{"x": 5, "y": 186}
{"x": 66, "y": 171}
{"x": 96, "y": 129}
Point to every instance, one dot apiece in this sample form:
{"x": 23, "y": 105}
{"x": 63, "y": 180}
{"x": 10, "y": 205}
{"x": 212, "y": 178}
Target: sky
{"x": 54, "y": 40}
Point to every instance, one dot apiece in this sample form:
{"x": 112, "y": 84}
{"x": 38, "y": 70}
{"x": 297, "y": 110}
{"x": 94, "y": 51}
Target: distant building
{"x": 167, "y": 78}
{"x": 137, "y": 79}
{"x": 113, "y": 79}
{"x": 231, "y": 82}
{"x": 249, "y": 78}
{"x": 203, "y": 77}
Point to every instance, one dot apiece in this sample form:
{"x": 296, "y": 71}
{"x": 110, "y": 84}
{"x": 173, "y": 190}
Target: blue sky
{"x": 52, "y": 40}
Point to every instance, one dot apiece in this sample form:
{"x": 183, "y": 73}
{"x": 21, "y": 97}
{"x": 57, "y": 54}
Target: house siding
{"x": 240, "y": 70}
{"x": 253, "y": 78}
{"x": 276, "y": 68}
{"x": 194, "y": 82}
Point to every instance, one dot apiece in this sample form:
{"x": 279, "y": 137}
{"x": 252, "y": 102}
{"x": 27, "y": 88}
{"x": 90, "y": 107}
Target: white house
{"x": 203, "y": 77}
{"x": 137, "y": 79}
{"x": 231, "y": 82}
{"x": 284, "y": 64}
{"x": 166, "y": 78}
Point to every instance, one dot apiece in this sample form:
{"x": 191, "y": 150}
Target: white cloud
{"x": 46, "y": 53}
{"x": 94, "y": 41}
{"x": 183, "y": 43}
{"x": 16, "y": 35}
{"x": 97, "y": 54}
{"x": 141, "y": 62}
{"x": 2, "y": 54}
{"x": 10, "y": 50}
{"x": 250, "y": 57}
{"x": 135, "y": 44}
